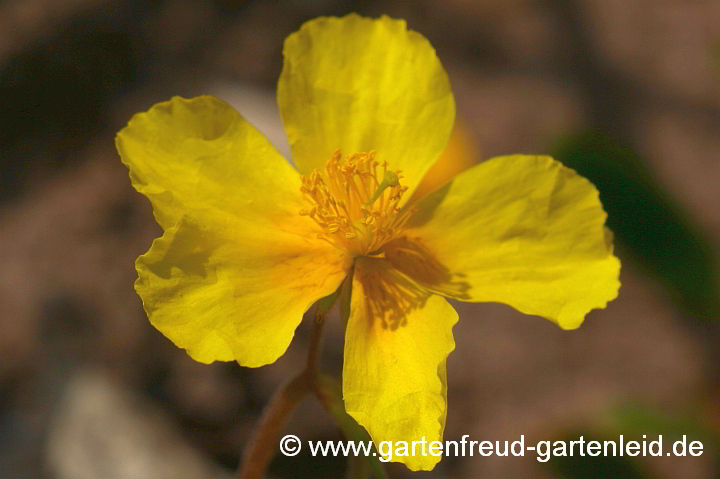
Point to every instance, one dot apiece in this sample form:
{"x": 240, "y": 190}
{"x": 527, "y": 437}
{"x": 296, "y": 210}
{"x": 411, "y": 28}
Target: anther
{"x": 336, "y": 202}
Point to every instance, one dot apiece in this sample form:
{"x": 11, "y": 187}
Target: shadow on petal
{"x": 181, "y": 249}
{"x": 390, "y": 295}
{"x": 400, "y": 282}
{"x": 414, "y": 260}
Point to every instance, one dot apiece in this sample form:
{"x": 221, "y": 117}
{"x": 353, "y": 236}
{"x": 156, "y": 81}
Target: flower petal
{"x": 231, "y": 295}
{"x": 358, "y": 84}
{"x": 521, "y": 230}
{"x": 394, "y": 381}
{"x": 197, "y": 155}
{"x": 237, "y": 266}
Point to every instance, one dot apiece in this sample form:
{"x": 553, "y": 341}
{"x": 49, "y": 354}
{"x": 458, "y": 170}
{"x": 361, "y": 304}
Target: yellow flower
{"x": 250, "y": 243}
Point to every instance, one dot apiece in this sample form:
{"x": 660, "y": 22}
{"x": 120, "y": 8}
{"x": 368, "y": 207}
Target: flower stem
{"x": 264, "y": 443}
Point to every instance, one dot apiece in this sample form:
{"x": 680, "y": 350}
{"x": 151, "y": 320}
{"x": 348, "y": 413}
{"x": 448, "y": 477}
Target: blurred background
{"x": 625, "y": 91}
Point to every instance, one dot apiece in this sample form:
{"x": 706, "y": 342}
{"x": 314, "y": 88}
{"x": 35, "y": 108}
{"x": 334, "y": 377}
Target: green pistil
{"x": 390, "y": 179}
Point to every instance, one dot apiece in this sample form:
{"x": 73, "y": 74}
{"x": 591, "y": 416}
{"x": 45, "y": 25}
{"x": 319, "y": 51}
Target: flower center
{"x": 355, "y": 203}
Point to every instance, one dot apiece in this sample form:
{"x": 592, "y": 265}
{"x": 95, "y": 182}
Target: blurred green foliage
{"x": 599, "y": 467}
{"x": 635, "y": 422}
{"x": 648, "y": 225}
{"x": 639, "y": 419}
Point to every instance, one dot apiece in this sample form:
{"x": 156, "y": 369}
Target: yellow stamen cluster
{"x": 355, "y": 201}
